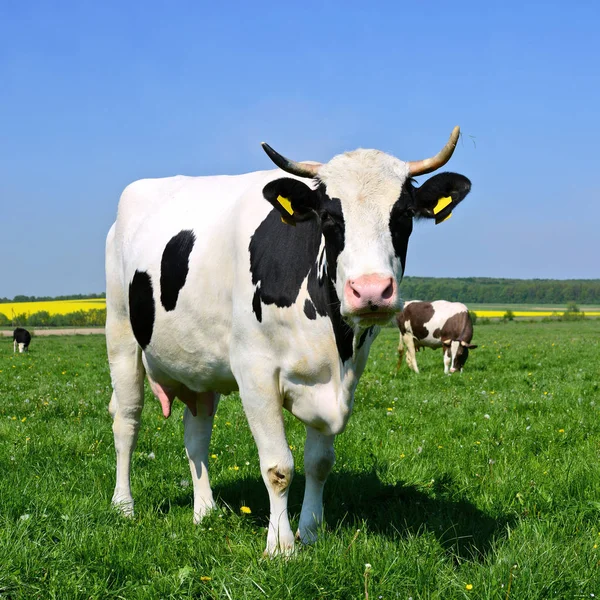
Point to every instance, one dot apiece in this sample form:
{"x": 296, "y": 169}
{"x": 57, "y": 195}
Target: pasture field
{"x": 484, "y": 484}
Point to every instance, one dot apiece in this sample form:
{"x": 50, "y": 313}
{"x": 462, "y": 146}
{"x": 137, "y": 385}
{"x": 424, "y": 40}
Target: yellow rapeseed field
{"x": 529, "y": 313}
{"x": 54, "y": 307}
{"x": 62, "y": 307}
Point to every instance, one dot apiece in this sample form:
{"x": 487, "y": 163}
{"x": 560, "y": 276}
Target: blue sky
{"x": 97, "y": 94}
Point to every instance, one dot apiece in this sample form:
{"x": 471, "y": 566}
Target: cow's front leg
{"x": 319, "y": 458}
{"x": 265, "y": 417}
{"x": 198, "y": 431}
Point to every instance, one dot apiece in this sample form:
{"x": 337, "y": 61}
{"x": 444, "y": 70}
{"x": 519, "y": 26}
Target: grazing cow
{"x": 435, "y": 325}
{"x": 22, "y": 339}
{"x": 268, "y": 285}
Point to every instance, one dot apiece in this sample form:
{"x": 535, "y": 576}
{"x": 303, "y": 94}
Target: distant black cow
{"x": 435, "y": 325}
{"x": 21, "y": 338}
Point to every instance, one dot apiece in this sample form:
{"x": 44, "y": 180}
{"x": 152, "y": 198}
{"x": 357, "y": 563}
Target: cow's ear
{"x": 470, "y": 346}
{"x": 447, "y": 343}
{"x": 294, "y": 200}
{"x": 439, "y": 195}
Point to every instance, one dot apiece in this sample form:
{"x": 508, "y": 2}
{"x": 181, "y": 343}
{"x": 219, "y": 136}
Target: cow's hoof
{"x": 202, "y": 511}
{"x": 123, "y": 505}
{"x": 285, "y": 548}
{"x": 307, "y": 535}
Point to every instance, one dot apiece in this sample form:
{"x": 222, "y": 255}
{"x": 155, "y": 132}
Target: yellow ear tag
{"x": 287, "y": 205}
{"x": 439, "y": 207}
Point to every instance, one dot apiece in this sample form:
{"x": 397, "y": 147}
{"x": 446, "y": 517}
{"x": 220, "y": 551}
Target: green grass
{"x": 490, "y": 478}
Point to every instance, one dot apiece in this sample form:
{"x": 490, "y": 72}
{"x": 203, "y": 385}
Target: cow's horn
{"x": 289, "y": 166}
{"x": 421, "y": 167}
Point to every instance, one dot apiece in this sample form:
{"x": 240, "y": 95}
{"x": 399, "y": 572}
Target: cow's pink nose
{"x": 370, "y": 292}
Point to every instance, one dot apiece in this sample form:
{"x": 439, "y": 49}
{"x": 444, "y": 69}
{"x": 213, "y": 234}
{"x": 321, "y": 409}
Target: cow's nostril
{"x": 354, "y": 291}
{"x": 389, "y": 291}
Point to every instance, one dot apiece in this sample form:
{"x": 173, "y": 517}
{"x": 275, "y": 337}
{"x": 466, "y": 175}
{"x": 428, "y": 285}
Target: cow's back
{"x": 432, "y": 322}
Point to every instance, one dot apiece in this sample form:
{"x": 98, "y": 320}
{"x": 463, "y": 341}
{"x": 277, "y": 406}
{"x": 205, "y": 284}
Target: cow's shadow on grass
{"x": 394, "y": 510}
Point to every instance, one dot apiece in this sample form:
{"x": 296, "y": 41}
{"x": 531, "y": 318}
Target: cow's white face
{"x": 367, "y": 184}
{"x": 363, "y": 204}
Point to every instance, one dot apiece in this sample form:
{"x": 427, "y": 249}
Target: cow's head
{"x": 458, "y": 352}
{"x": 365, "y": 202}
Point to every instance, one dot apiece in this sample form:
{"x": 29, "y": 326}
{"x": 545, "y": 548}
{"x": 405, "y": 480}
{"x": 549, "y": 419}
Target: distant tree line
{"x": 22, "y": 298}
{"x": 506, "y": 291}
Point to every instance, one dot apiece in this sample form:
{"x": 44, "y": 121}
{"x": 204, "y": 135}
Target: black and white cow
{"x": 435, "y": 325}
{"x": 21, "y": 339}
{"x": 269, "y": 284}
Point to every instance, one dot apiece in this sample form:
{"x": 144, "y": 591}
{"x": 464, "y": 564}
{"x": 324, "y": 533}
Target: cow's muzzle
{"x": 371, "y": 298}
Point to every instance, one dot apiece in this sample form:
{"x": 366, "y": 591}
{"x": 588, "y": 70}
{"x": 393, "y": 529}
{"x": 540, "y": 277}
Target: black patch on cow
{"x": 367, "y": 332}
{"x": 334, "y": 229}
{"x": 344, "y": 335}
{"x": 174, "y": 267}
{"x": 309, "y": 310}
{"x": 141, "y": 307}
{"x": 256, "y": 306}
{"x": 22, "y": 336}
{"x": 401, "y": 222}
{"x": 437, "y": 333}
{"x": 283, "y": 256}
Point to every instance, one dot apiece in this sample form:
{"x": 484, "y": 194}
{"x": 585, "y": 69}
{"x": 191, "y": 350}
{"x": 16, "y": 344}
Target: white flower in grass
{"x": 25, "y": 517}
{"x": 151, "y": 456}
{"x": 184, "y": 483}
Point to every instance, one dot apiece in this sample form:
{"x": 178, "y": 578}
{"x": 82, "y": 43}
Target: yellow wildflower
{"x": 245, "y": 510}
{"x": 205, "y": 578}
{"x": 469, "y": 586}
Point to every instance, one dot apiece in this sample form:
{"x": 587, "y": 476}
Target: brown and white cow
{"x": 435, "y": 325}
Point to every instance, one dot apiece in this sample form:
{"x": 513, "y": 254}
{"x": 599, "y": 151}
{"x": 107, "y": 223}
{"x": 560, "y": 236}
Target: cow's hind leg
{"x": 411, "y": 354}
{"x": 400, "y": 352}
{"x": 198, "y": 430}
{"x": 127, "y": 374}
{"x": 319, "y": 458}
{"x": 265, "y": 417}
